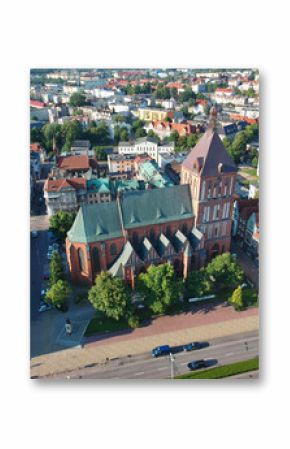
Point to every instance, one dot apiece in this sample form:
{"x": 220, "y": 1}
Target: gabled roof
{"x": 73, "y": 162}
{"x": 96, "y": 222}
{"x": 128, "y": 257}
{"x": 156, "y": 206}
{"x": 208, "y": 153}
{"x": 56, "y": 185}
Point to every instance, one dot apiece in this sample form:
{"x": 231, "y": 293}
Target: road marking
{"x": 229, "y": 343}
{"x": 185, "y": 363}
{"x": 229, "y": 353}
{"x": 139, "y": 373}
{"x": 162, "y": 368}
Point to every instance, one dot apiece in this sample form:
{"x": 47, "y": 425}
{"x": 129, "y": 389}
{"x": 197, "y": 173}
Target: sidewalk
{"x": 123, "y": 345}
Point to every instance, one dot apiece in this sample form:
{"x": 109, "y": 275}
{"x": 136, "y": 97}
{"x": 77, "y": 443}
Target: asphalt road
{"x": 221, "y": 351}
{"x": 38, "y": 251}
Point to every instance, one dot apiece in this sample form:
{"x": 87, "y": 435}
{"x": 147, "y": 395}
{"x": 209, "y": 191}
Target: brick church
{"x": 187, "y": 224}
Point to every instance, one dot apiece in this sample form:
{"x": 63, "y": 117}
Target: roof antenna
{"x": 212, "y": 118}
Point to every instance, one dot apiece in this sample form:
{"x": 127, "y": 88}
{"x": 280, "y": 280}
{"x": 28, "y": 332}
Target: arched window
{"x": 152, "y": 235}
{"x": 135, "y": 239}
{"x": 168, "y": 232}
{"x": 96, "y": 259}
{"x": 184, "y": 228}
{"x": 81, "y": 257}
{"x": 113, "y": 249}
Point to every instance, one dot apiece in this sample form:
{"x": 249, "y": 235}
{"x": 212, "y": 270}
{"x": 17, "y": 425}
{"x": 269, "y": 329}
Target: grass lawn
{"x": 103, "y": 324}
{"x": 223, "y": 371}
{"x": 250, "y": 172}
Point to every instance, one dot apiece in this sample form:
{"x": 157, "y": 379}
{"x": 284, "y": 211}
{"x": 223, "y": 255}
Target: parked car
{"x": 34, "y": 234}
{"x": 196, "y": 364}
{"x": 51, "y": 237}
{"x": 195, "y": 345}
{"x": 46, "y": 276}
{"x": 44, "y": 306}
{"x": 161, "y": 350}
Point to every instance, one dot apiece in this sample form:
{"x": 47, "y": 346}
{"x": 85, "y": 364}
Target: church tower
{"x": 211, "y": 174}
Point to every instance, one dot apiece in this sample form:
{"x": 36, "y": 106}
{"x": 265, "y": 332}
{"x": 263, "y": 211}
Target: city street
{"x": 221, "y": 351}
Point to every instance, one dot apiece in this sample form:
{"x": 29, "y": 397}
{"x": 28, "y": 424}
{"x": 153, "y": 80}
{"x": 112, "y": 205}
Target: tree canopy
{"x": 225, "y": 271}
{"x": 56, "y": 268}
{"x": 198, "y": 284}
{"x": 58, "y": 293}
{"x": 159, "y": 287}
{"x": 110, "y": 295}
{"x": 77, "y": 99}
{"x": 61, "y": 222}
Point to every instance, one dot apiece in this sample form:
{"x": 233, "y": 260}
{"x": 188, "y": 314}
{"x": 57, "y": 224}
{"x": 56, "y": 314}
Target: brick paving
{"x": 175, "y": 330}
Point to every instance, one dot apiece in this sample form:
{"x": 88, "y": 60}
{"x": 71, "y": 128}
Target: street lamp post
{"x": 172, "y": 360}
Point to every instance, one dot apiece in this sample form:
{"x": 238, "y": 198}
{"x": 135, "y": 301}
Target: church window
{"x": 113, "y": 249}
{"x": 202, "y": 190}
{"x": 96, "y": 259}
{"x": 81, "y": 259}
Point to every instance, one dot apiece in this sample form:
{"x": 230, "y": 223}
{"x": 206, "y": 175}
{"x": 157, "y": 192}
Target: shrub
{"x": 133, "y": 321}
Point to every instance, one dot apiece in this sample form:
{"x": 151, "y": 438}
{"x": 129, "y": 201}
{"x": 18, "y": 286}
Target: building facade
{"x": 145, "y": 145}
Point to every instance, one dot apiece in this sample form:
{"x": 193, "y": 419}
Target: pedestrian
{"x": 68, "y": 326}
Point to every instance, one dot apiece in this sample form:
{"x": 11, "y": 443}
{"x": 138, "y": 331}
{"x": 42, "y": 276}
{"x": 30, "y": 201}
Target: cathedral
{"x": 187, "y": 224}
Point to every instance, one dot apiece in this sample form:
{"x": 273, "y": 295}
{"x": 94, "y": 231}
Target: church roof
{"x": 127, "y": 257}
{"x": 101, "y": 221}
{"x": 156, "y": 206}
{"x": 96, "y": 222}
{"x": 208, "y": 154}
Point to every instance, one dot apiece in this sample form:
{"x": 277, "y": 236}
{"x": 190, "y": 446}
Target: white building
{"x": 145, "y": 145}
{"x": 103, "y": 93}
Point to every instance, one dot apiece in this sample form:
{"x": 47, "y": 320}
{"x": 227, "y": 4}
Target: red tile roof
{"x": 55, "y": 185}
{"x": 73, "y": 162}
{"x": 37, "y": 104}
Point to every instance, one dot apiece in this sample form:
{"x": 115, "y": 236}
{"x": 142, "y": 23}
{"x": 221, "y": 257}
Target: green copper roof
{"x": 96, "y": 222}
{"x": 100, "y": 185}
{"x": 156, "y": 206}
{"x": 101, "y": 221}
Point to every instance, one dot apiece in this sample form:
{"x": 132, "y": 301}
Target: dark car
{"x": 195, "y": 345}
{"x": 196, "y": 364}
{"x": 46, "y": 276}
{"x": 161, "y": 350}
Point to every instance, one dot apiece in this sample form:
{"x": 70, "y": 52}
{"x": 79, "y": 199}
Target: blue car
{"x": 161, "y": 350}
{"x": 196, "y": 364}
{"x": 195, "y": 345}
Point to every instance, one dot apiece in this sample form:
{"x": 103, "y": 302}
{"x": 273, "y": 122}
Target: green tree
{"x": 133, "y": 321}
{"x": 140, "y": 132}
{"x": 192, "y": 140}
{"x": 137, "y": 124}
{"x": 225, "y": 271}
{"x": 36, "y": 136}
{"x": 100, "y": 153}
{"x": 61, "y": 222}
{"x": 52, "y": 131}
{"x": 237, "y": 298}
{"x": 58, "y": 293}
{"x": 198, "y": 284}
{"x": 71, "y": 131}
{"x": 159, "y": 287}
{"x": 186, "y": 95}
{"x": 56, "y": 268}
{"x": 119, "y": 118}
{"x": 77, "y": 99}
{"x": 174, "y": 136}
{"x": 110, "y": 295}
{"x": 124, "y": 135}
